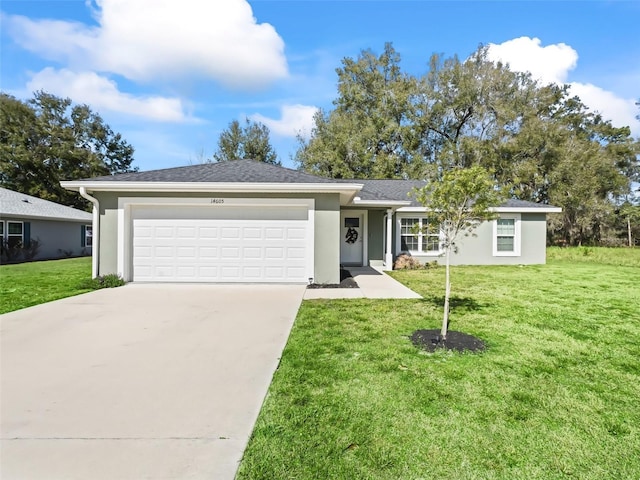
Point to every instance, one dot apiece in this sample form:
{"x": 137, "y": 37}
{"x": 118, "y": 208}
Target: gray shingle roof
{"x": 401, "y": 189}
{"x": 252, "y": 171}
{"x": 395, "y": 190}
{"x": 25, "y": 206}
{"x": 224, "y": 172}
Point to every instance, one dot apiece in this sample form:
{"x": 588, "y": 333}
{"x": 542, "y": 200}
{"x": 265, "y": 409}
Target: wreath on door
{"x": 351, "y": 236}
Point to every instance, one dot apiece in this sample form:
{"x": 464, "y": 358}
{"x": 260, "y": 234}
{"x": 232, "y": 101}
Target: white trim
{"x": 225, "y": 187}
{"x": 526, "y": 209}
{"x": 419, "y": 215}
{"x": 124, "y": 252}
{"x": 412, "y": 210}
{"x": 517, "y": 238}
{"x": 7, "y": 234}
{"x": 387, "y": 241}
{"x": 95, "y": 241}
{"x": 493, "y": 209}
{"x": 357, "y": 201}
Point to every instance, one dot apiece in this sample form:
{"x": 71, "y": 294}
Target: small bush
{"x": 105, "y": 281}
{"x": 406, "y": 262}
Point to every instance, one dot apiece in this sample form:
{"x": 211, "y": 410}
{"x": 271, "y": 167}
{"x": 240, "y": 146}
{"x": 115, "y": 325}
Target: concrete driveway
{"x": 142, "y": 381}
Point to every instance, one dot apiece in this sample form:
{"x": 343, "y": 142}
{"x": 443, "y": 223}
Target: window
{"x": 350, "y": 222}
{"x": 15, "y": 234}
{"x": 419, "y": 235}
{"x": 506, "y": 235}
{"x": 87, "y": 235}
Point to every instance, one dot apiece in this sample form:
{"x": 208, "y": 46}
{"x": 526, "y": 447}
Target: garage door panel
{"x": 252, "y": 253}
{"x": 252, "y": 233}
{"x": 208, "y": 232}
{"x": 207, "y": 253}
{"x": 206, "y": 250}
{"x": 186, "y": 232}
{"x": 230, "y": 233}
{"x": 296, "y": 233}
{"x": 296, "y": 252}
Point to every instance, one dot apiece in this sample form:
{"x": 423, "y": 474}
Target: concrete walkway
{"x": 373, "y": 283}
{"x": 141, "y": 381}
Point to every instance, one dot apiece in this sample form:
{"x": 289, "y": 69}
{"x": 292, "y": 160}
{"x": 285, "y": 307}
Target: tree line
{"x": 540, "y": 143}
{"x": 47, "y": 139}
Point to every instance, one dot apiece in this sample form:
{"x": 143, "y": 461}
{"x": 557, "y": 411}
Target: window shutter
{"x": 27, "y": 234}
{"x": 83, "y": 233}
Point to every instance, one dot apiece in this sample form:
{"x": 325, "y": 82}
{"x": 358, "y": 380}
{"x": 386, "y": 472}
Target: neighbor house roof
{"x": 20, "y": 205}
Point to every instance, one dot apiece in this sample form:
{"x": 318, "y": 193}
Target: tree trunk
{"x": 629, "y": 231}
{"x": 447, "y": 293}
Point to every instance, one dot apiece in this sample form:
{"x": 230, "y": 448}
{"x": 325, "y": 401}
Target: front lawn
{"x": 27, "y": 284}
{"x": 555, "y": 395}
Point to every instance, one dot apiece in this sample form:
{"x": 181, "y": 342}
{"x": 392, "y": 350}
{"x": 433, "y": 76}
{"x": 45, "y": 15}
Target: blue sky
{"x": 170, "y": 75}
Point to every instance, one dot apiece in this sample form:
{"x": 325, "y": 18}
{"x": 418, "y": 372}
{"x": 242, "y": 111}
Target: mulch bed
{"x": 431, "y": 341}
{"x": 346, "y": 281}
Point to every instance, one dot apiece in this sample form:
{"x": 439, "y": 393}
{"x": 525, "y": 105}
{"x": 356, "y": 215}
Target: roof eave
{"x": 380, "y": 203}
{"x": 545, "y": 209}
{"x": 347, "y": 191}
{"x": 20, "y": 216}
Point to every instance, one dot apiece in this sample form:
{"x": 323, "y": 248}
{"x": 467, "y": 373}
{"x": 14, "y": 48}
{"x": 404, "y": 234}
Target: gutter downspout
{"x": 95, "y": 247}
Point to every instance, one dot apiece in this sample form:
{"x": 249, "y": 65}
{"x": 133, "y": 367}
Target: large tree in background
{"x": 369, "y": 132}
{"x": 541, "y": 144}
{"x": 251, "y": 142}
{"x": 48, "y": 139}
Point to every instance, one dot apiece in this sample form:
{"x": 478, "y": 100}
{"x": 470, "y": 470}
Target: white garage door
{"x": 220, "y": 250}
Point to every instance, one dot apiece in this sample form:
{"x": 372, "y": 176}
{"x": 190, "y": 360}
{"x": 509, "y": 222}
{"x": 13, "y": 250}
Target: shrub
{"x": 31, "y": 250}
{"x": 406, "y": 262}
{"x": 105, "y": 281}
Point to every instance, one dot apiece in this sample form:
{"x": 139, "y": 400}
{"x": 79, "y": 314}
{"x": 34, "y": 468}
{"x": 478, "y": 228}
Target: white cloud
{"x": 149, "y": 39}
{"x": 552, "y": 64}
{"x": 295, "y": 119}
{"x": 609, "y": 105}
{"x": 102, "y": 94}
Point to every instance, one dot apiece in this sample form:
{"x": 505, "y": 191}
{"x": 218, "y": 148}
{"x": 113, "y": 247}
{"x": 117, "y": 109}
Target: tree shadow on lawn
{"x": 462, "y": 304}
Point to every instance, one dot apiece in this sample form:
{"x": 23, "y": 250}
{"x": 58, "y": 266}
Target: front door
{"x": 351, "y": 238}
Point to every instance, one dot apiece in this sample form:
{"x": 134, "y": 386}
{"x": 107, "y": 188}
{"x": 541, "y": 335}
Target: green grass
{"x": 555, "y": 396}
{"x": 27, "y": 284}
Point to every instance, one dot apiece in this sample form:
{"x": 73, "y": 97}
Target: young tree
{"x": 458, "y": 201}
{"x": 48, "y": 139}
{"x": 251, "y": 141}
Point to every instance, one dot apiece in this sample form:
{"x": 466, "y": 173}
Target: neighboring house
{"x": 247, "y": 221}
{"x": 36, "y": 229}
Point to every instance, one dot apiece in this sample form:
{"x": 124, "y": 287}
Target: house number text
{"x": 217, "y": 200}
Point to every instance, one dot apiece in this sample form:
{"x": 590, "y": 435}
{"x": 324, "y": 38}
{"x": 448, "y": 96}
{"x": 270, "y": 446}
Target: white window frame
{"x": 8, "y": 235}
{"x": 88, "y": 233}
{"x": 421, "y": 235}
{"x": 517, "y": 237}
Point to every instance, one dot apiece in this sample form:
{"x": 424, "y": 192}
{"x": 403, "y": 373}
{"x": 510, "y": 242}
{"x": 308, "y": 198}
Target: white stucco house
{"x": 248, "y": 221}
